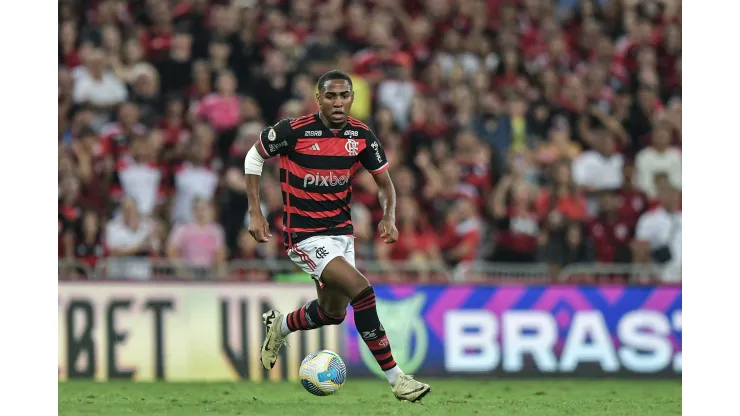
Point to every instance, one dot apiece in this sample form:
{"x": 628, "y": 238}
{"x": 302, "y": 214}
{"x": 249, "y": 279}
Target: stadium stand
{"x": 527, "y": 139}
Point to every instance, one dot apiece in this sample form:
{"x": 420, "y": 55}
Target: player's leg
{"x": 341, "y": 276}
{"x": 328, "y": 309}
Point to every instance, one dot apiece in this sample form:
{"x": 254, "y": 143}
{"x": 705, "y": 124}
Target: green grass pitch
{"x": 373, "y": 397}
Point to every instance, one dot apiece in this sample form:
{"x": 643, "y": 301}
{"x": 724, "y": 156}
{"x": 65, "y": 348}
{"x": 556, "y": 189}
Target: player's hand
{"x": 259, "y": 228}
{"x": 388, "y": 230}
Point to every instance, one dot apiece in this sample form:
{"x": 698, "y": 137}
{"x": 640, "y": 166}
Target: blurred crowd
{"x": 518, "y": 131}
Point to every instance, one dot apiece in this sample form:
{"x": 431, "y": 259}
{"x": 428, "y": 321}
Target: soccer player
{"x": 319, "y": 154}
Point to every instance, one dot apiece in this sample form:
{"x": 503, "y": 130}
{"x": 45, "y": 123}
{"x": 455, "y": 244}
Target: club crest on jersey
{"x": 352, "y": 133}
{"x": 351, "y": 147}
{"x": 271, "y": 135}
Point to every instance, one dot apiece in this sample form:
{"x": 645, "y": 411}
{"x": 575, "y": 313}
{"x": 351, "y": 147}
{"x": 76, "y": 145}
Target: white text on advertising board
{"x": 642, "y": 344}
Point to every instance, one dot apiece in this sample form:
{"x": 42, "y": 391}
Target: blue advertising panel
{"x": 525, "y": 331}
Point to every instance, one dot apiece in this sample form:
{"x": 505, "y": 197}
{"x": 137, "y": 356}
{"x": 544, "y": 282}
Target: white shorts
{"x": 314, "y": 253}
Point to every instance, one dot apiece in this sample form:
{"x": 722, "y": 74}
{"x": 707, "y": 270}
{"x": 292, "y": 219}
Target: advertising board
{"x": 214, "y": 331}
{"x": 527, "y": 331}
{"x": 178, "y": 332}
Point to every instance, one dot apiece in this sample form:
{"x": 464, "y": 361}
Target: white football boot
{"x": 274, "y": 339}
{"x": 406, "y": 388}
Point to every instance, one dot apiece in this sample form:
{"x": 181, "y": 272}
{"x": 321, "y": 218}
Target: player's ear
{"x": 318, "y": 97}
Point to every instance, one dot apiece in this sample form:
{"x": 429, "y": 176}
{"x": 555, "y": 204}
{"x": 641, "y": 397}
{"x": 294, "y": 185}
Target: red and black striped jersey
{"x": 316, "y": 169}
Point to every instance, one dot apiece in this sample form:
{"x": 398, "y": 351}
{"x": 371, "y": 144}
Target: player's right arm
{"x": 274, "y": 140}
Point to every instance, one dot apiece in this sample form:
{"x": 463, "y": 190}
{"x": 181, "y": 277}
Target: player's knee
{"x": 356, "y": 284}
{"x": 342, "y": 275}
{"x": 359, "y": 290}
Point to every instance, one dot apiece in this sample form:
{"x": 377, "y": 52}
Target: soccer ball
{"x": 322, "y": 373}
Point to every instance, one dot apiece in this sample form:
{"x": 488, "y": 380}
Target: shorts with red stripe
{"x": 314, "y": 253}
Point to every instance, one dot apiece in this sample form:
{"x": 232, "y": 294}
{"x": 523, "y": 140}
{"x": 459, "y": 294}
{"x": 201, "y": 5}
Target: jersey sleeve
{"x": 277, "y": 140}
{"x": 373, "y": 157}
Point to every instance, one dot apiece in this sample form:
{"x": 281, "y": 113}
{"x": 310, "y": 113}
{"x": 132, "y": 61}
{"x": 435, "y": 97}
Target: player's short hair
{"x": 332, "y": 75}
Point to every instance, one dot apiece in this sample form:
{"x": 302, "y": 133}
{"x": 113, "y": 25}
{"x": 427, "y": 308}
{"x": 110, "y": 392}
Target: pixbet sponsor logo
{"x": 479, "y": 341}
{"x": 332, "y": 179}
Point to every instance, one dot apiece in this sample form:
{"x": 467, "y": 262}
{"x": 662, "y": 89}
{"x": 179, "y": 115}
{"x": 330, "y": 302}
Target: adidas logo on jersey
{"x": 315, "y": 147}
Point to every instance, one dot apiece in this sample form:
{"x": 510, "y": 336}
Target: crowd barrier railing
{"x": 283, "y": 270}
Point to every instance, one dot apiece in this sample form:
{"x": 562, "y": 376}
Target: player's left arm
{"x": 387, "y": 197}
{"x": 373, "y": 159}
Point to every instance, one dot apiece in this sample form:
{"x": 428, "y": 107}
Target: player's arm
{"x": 373, "y": 159}
{"x": 272, "y": 141}
{"x": 387, "y": 197}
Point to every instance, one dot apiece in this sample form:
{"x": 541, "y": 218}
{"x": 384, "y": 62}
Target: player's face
{"x": 335, "y": 99}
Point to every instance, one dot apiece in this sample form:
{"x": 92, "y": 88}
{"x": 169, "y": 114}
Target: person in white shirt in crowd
{"x": 598, "y": 169}
{"x": 658, "y": 235}
{"x": 396, "y": 93}
{"x": 194, "y": 179}
{"x": 140, "y": 176}
{"x": 99, "y": 88}
{"x": 130, "y": 239}
{"x": 660, "y": 157}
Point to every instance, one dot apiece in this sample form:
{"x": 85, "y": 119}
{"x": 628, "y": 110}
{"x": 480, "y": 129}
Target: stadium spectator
{"x": 416, "y": 242}
{"x": 139, "y": 175}
{"x": 463, "y": 230}
{"x": 222, "y": 108}
{"x": 601, "y": 168}
{"x": 199, "y": 245}
{"x": 321, "y": 48}
{"x": 194, "y": 179}
{"x": 517, "y": 222}
{"x": 567, "y": 245}
{"x": 610, "y": 231}
{"x": 234, "y": 210}
{"x": 659, "y": 157}
{"x": 130, "y": 63}
{"x": 69, "y": 212}
{"x": 130, "y": 239}
{"x": 175, "y": 71}
{"x": 563, "y": 198}
{"x": 658, "y": 236}
{"x": 632, "y": 201}
{"x": 116, "y": 136}
{"x": 273, "y": 86}
{"x": 89, "y": 248}
{"x": 99, "y": 88}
